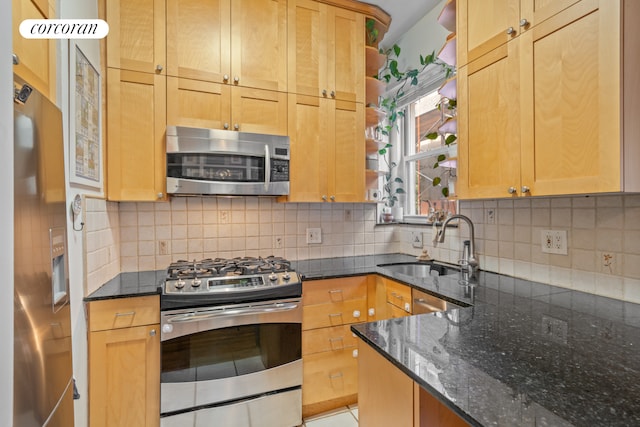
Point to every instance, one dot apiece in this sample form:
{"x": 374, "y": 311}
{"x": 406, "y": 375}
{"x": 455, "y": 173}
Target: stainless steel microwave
{"x": 222, "y": 162}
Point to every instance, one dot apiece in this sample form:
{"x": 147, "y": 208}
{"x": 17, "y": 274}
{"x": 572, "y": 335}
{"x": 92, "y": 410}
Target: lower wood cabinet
{"x": 389, "y": 397}
{"x": 124, "y": 362}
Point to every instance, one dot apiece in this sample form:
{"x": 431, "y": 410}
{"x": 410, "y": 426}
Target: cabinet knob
{"x": 158, "y": 68}
{"x": 333, "y": 198}
{"x": 225, "y": 78}
{"x": 324, "y": 198}
{"x": 236, "y": 79}
{"x": 511, "y": 31}
{"x": 16, "y": 59}
{"x": 226, "y": 126}
{"x": 512, "y": 190}
{"x": 236, "y": 126}
{"x": 160, "y": 195}
{"x": 152, "y": 333}
{"x": 333, "y": 93}
{"x": 524, "y": 22}
{"x": 356, "y": 313}
{"x": 525, "y": 189}
{"x": 324, "y": 92}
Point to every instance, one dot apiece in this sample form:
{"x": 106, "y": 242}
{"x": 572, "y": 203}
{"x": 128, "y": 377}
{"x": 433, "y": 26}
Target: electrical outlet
{"x": 416, "y": 239}
{"x": 223, "y": 217}
{"x": 554, "y": 242}
{"x": 348, "y": 216}
{"x": 314, "y": 235}
{"x": 490, "y": 216}
{"x": 277, "y": 242}
{"x": 163, "y": 247}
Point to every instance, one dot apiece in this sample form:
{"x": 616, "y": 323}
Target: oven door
{"x": 216, "y": 355}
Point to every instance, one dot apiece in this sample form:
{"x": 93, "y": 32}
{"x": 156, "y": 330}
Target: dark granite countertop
{"x": 524, "y": 354}
{"x": 126, "y": 285}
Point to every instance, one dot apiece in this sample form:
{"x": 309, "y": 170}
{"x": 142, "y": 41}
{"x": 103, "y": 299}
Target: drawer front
{"x": 399, "y": 295}
{"x": 123, "y": 312}
{"x": 334, "y": 290}
{"x": 328, "y": 339}
{"x": 335, "y": 314}
{"x": 394, "y": 312}
{"x": 329, "y": 375}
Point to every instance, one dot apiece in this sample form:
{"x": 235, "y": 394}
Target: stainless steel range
{"x": 231, "y": 343}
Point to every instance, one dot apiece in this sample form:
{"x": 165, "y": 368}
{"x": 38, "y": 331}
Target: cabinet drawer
{"x": 123, "y": 312}
{"x": 335, "y": 314}
{"x": 329, "y": 375}
{"x": 394, "y": 312}
{"x": 334, "y": 290}
{"x": 399, "y": 295}
{"x": 328, "y": 339}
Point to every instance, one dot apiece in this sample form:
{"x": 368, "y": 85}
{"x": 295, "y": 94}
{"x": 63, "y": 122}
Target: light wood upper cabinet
{"x": 198, "y": 39}
{"x": 547, "y": 113}
{"x": 136, "y": 122}
{"x": 36, "y": 57}
{"x": 484, "y": 25}
{"x": 327, "y": 150}
{"x": 259, "y": 44}
{"x": 124, "y": 362}
{"x": 137, "y": 35}
{"x": 326, "y": 51}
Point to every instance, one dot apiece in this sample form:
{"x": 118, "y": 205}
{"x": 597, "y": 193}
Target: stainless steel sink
{"x": 420, "y": 269}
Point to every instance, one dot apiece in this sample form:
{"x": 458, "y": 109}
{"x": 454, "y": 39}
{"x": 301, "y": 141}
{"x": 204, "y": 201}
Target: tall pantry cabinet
{"x": 546, "y": 104}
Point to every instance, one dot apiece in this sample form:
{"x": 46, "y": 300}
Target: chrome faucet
{"x": 469, "y": 262}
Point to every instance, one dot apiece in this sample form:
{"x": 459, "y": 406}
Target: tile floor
{"x": 343, "y": 417}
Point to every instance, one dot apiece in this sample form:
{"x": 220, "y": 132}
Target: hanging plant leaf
{"x": 442, "y": 158}
{"x": 432, "y": 135}
{"x": 398, "y": 179}
{"x": 450, "y": 139}
{"x": 436, "y": 181}
{"x": 435, "y": 165}
{"x": 396, "y": 49}
{"x": 382, "y": 151}
{"x": 400, "y": 191}
{"x": 445, "y": 191}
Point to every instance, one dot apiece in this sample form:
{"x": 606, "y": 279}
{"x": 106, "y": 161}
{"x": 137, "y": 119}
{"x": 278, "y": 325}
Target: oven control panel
{"x": 226, "y": 284}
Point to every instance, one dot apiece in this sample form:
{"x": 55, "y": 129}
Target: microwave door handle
{"x": 267, "y": 167}
{"x": 211, "y": 314}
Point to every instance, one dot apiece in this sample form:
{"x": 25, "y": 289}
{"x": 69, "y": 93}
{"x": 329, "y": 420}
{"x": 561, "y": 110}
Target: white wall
{"x": 6, "y": 218}
{"x": 91, "y": 49}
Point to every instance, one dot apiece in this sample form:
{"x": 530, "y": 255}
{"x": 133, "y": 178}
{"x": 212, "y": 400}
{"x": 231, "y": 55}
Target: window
{"x": 424, "y": 183}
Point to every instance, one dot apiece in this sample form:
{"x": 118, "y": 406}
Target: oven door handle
{"x": 267, "y": 168}
{"x": 196, "y": 316}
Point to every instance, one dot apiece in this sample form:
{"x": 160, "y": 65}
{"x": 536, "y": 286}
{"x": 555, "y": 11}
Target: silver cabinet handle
{"x": 158, "y": 68}
{"x": 16, "y": 59}
{"x": 512, "y": 190}
{"x": 333, "y": 340}
{"x": 236, "y": 79}
{"x": 333, "y": 198}
{"x": 152, "y": 333}
{"x": 525, "y": 189}
{"x": 324, "y": 198}
{"x": 334, "y": 376}
{"x": 524, "y": 22}
{"x": 324, "y": 92}
{"x": 236, "y": 126}
{"x": 128, "y": 313}
{"x": 333, "y": 93}
{"x": 335, "y": 314}
{"x": 225, "y": 78}
{"x": 226, "y": 126}
{"x": 511, "y": 31}
{"x": 160, "y": 195}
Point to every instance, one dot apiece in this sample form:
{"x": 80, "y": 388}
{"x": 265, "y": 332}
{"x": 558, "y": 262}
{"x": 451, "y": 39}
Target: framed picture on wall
{"x": 85, "y": 133}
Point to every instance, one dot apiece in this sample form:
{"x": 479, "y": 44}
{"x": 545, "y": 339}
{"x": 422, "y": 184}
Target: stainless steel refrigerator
{"x": 43, "y": 384}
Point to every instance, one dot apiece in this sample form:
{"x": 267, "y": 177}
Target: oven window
{"x": 230, "y": 352}
{"x": 216, "y": 167}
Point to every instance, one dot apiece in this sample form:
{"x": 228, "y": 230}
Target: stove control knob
{"x": 196, "y": 283}
{"x": 167, "y": 328}
{"x": 286, "y": 276}
{"x": 273, "y": 277}
{"x": 180, "y": 284}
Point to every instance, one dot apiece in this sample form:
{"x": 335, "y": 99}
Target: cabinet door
{"x": 136, "y": 39}
{"x": 346, "y": 171}
{"x": 259, "y": 44}
{"x": 482, "y": 26}
{"x": 386, "y": 398}
{"x": 489, "y": 125}
{"x": 124, "y": 372}
{"x": 258, "y": 111}
{"x": 329, "y": 375}
{"x": 571, "y": 101}
{"x": 198, "y": 103}
{"x": 309, "y": 125}
{"x": 37, "y": 57}
{"x": 198, "y": 39}
{"x": 346, "y": 57}
{"x": 536, "y": 11}
{"x": 307, "y": 46}
{"x": 136, "y": 122}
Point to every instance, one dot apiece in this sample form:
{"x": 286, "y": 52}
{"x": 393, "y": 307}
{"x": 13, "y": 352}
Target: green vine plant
{"x": 389, "y": 105}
